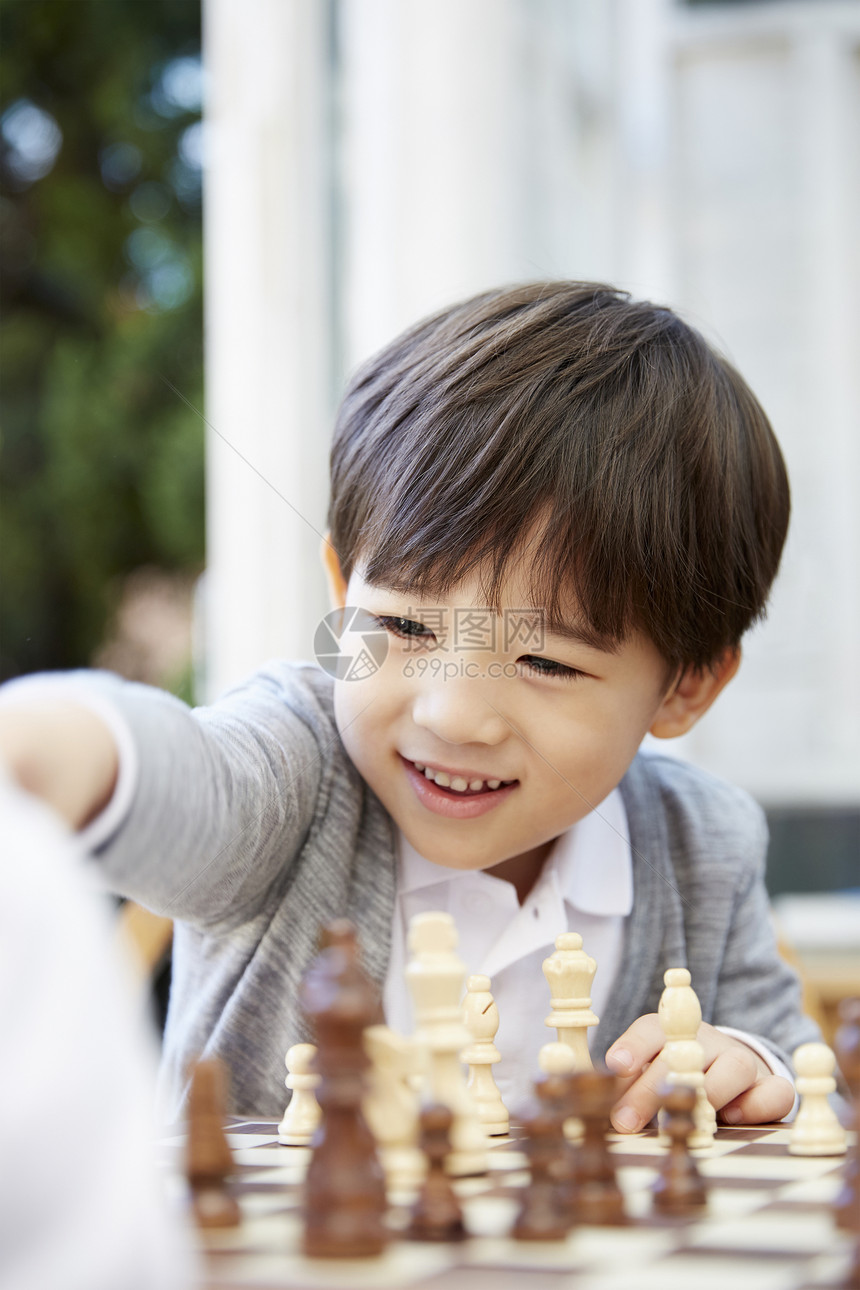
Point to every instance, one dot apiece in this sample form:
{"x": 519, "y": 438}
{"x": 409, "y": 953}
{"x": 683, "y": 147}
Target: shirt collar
{"x": 591, "y": 863}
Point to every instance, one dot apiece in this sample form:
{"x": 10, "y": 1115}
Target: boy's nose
{"x": 459, "y": 711}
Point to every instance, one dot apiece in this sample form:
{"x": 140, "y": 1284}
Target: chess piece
{"x": 569, "y": 972}
{"x": 303, "y": 1112}
{"x": 545, "y": 1212}
{"x": 680, "y": 1015}
{"x": 816, "y": 1130}
{"x": 436, "y": 1214}
{"x": 557, "y": 1059}
{"x": 679, "y": 1191}
{"x": 434, "y": 976}
{"x": 209, "y": 1160}
{"x": 482, "y": 1021}
{"x": 344, "y": 1199}
{"x": 847, "y": 1204}
{"x": 391, "y": 1107}
{"x": 598, "y": 1197}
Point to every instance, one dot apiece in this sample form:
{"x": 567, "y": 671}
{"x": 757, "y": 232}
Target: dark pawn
{"x": 436, "y": 1214}
{"x": 598, "y": 1198}
{"x": 344, "y": 1199}
{"x": 679, "y": 1192}
{"x": 847, "y": 1045}
{"x": 209, "y": 1160}
{"x": 545, "y": 1209}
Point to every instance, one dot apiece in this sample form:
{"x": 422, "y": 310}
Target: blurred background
{"x": 360, "y": 163}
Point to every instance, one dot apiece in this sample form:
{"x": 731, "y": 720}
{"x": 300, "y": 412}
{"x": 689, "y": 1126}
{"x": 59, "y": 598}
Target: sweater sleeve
{"x": 224, "y": 798}
{"x": 756, "y": 988}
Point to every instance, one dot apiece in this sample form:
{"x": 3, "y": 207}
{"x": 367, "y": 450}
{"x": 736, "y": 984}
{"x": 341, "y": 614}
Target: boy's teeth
{"x": 457, "y": 782}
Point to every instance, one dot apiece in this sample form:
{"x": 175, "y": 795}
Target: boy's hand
{"x": 61, "y": 752}
{"x": 739, "y": 1084}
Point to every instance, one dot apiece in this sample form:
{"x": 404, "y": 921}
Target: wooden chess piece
{"x": 436, "y": 1214}
{"x": 598, "y": 1196}
{"x": 482, "y": 1021}
{"x": 344, "y": 1200}
{"x": 303, "y": 1112}
{"x": 847, "y": 1043}
{"x": 391, "y": 1106}
{"x": 558, "y": 1059}
{"x": 680, "y": 1015}
{"x": 434, "y": 975}
{"x": 816, "y": 1130}
{"x": 209, "y": 1160}
{"x": 569, "y": 972}
{"x": 545, "y": 1211}
{"x": 679, "y": 1191}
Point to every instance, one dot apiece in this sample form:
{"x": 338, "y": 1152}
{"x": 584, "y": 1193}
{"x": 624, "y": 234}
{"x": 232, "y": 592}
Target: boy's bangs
{"x": 558, "y": 562}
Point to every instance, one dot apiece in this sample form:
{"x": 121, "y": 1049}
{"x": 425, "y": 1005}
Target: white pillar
{"x": 268, "y": 333}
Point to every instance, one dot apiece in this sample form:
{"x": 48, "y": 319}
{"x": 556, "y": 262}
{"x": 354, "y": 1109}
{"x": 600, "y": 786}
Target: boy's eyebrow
{"x": 579, "y": 633}
{"x": 572, "y": 630}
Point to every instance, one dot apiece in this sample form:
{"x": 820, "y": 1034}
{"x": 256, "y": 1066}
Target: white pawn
{"x": 569, "y": 972}
{"x": 390, "y": 1107}
{"x": 482, "y": 1021}
{"x": 434, "y": 975}
{"x": 303, "y": 1112}
{"x": 558, "y": 1059}
{"x": 816, "y": 1130}
{"x": 680, "y": 1016}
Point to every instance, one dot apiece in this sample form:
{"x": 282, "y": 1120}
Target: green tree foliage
{"x": 100, "y": 274}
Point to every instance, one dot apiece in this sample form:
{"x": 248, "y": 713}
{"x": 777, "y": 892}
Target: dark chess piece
{"x": 545, "y": 1209}
{"x": 597, "y": 1196}
{"x": 436, "y": 1214}
{"x": 341, "y": 932}
{"x": 344, "y": 1198}
{"x": 679, "y": 1191}
{"x": 847, "y": 1045}
{"x": 209, "y": 1160}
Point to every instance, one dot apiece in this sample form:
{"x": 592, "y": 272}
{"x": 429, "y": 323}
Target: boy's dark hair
{"x": 637, "y": 458}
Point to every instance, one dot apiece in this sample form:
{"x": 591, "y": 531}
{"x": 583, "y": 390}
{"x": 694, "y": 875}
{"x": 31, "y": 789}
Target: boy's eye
{"x": 405, "y": 628}
{"x": 548, "y": 667}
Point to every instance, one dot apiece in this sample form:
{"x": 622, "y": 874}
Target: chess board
{"x": 768, "y": 1225}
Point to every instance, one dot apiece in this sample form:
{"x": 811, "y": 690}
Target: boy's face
{"x": 557, "y": 720}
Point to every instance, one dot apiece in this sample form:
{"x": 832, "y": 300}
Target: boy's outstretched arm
{"x": 60, "y": 751}
{"x": 739, "y": 1083}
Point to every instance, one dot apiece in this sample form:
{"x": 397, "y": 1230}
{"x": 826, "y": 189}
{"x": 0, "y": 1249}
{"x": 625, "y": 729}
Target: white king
{"x": 570, "y": 972}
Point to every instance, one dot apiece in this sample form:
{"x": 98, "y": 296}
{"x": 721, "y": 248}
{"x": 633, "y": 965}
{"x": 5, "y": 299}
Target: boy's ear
{"x": 334, "y": 575}
{"x": 692, "y": 694}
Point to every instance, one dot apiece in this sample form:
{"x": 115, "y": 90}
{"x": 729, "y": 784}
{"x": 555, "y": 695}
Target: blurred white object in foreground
{"x": 81, "y": 1203}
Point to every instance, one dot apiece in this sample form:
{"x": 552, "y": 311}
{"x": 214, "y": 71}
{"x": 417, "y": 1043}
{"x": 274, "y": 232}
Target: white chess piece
{"x": 680, "y": 1016}
{"x": 391, "y": 1107}
{"x": 434, "y": 976}
{"x": 816, "y": 1130}
{"x": 303, "y": 1113}
{"x": 569, "y": 972}
{"x": 558, "y": 1059}
{"x": 482, "y": 1021}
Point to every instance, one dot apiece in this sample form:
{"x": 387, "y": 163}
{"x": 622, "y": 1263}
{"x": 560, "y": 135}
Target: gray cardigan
{"x": 251, "y": 827}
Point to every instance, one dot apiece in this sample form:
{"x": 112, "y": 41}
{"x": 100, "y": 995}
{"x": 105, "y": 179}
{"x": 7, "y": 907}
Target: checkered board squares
{"x": 768, "y": 1226}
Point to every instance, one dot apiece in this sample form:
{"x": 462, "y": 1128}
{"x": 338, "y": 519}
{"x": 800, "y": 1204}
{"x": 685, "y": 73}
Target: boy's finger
{"x": 730, "y": 1074}
{"x": 639, "y": 1103}
{"x": 768, "y": 1100}
{"x": 639, "y": 1045}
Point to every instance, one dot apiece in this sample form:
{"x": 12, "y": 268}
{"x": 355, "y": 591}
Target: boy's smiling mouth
{"x": 462, "y": 782}
{"x": 457, "y": 794}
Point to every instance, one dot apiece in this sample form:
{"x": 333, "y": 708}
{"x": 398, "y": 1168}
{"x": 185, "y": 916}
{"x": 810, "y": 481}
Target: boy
{"x": 563, "y": 510}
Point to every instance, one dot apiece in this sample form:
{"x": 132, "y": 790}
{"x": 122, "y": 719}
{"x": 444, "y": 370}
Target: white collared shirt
{"x": 586, "y": 886}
